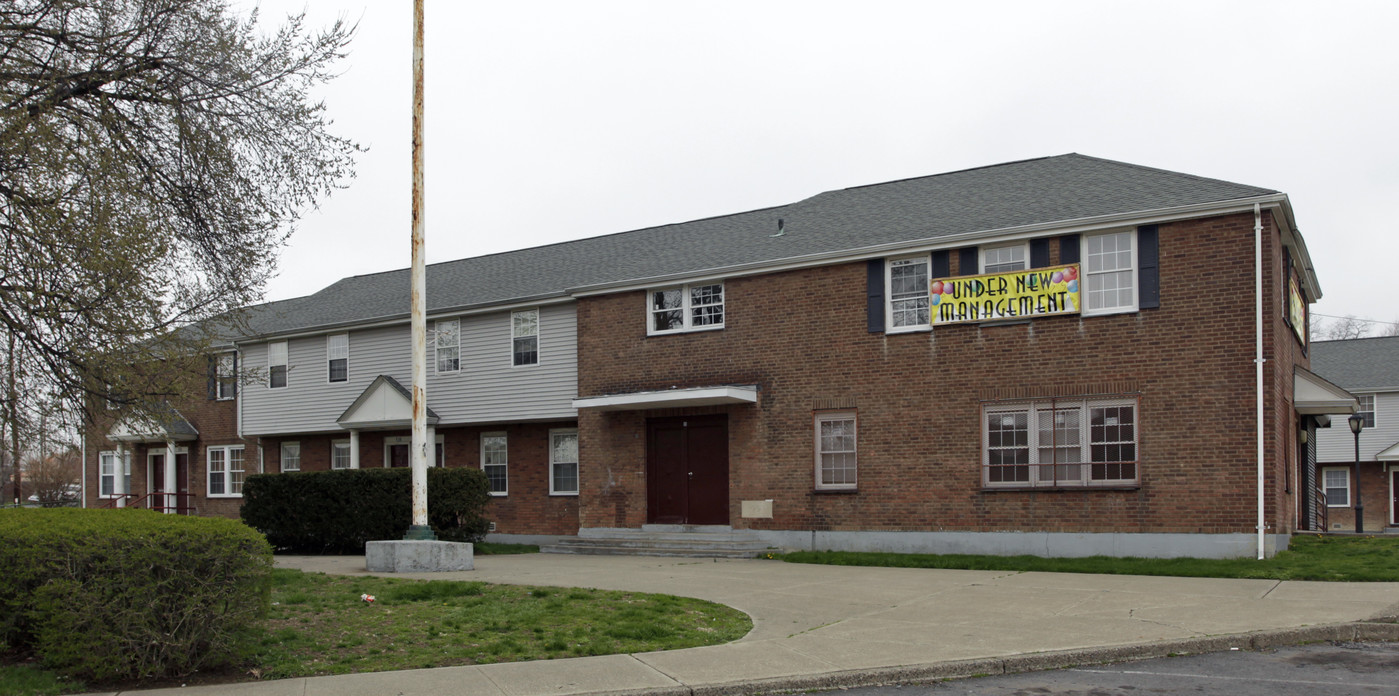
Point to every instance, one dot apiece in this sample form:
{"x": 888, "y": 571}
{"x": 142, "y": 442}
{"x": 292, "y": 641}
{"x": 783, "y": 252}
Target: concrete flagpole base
{"x": 418, "y": 556}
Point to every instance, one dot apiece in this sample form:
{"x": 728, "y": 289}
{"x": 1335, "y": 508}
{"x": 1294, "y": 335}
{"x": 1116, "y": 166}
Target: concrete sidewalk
{"x": 829, "y": 626}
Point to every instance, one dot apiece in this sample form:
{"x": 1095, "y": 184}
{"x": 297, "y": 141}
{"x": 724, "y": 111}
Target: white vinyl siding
{"x": 488, "y": 388}
{"x": 1336, "y": 444}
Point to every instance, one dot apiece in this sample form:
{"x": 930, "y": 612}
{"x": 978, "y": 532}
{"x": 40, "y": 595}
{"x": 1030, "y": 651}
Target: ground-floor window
{"x": 563, "y": 462}
{"x": 112, "y": 472}
{"x": 340, "y": 454}
{"x": 1060, "y": 443}
{"x": 835, "y": 451}
{"x": 226, "y": 471}
{"x": 495, "y": 461}
{"x": 291, "y": 456}
{"x": 1336, "y": 482}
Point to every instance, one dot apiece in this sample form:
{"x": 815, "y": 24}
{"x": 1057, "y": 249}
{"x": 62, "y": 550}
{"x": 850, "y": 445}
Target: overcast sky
{"x": 553, "y": 121}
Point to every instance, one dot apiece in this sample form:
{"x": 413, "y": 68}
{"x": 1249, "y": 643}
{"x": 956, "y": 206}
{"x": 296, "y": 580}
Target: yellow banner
{"x": 1013, "y": 295}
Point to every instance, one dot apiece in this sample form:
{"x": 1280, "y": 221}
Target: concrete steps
{"x": 686, "y": 541}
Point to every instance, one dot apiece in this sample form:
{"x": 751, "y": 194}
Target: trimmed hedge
{"x": 129, "y": 594}
{"x": 338, "y": 511}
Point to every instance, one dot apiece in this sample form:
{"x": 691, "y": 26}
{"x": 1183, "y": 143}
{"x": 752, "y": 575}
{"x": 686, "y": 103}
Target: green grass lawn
{"x": 319, "y": 624}
{"x": 1309, "y": 557}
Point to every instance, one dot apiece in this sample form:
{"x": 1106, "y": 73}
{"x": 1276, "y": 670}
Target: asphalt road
{"x": 1343, "y": 669}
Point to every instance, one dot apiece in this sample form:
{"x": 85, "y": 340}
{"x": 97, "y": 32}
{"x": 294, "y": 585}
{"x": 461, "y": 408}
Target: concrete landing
{"x": 405, "y": 556}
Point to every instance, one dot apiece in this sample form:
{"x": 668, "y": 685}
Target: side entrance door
{"x": 687, "y": 470}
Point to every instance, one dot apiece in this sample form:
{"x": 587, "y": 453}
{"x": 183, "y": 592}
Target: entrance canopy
{"x": 163, "y": 424}
{"x": 1313, "y": 395}
{"x": 384, "y": 404}
{"x": 672, "y": 398}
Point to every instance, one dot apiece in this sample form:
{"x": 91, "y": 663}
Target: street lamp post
{"x": 1357, "y": 423}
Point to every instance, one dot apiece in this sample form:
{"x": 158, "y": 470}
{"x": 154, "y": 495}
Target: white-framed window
{"x": 495, "y": 456}
{"x": 836, "y": 462}
{"x": 908, "y": 293}
{"x": 447, "y": 344}
{"x": 225, "y": 471}
{"x": 685, "y": 308}
{"x": 1367, "y": 408}
{"x": 227, "y": 376}
{"x": 398, "y": 449}
{"x": 337, "y": 355}
{"x": 1336, "y": 482}
{"x": 524, "y": 337}
{"x": 340, "y": 454}
{"x": 1110, "y": 272}
{"x": 1060, "y": 443}
{"x": 276, "y": 364}
{"x": 107, "y": 475}
{"x": 291, "y": 456}
{"x": 563, "y": 462}
{"x": 1000, "y": 259}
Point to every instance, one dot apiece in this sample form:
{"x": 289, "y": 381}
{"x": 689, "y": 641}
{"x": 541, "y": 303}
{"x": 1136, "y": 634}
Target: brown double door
{"x": 687, "y": 470}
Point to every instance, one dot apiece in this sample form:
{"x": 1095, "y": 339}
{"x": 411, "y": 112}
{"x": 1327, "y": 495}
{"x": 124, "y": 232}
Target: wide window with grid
{"x": 685, "y": 308}
{"x": 524, "y": 337}
{"x": 1109, "y": 273}
{"x": 447, "y": 344}
{"x": 836, "y": 462}
{"x": 1060, "y": 443}
{"x": 226, "y": 471}
{"x": 337, "y": 354}
{"x": 495, "y": 461}
{"x": 563, "y": 462}
{"x": 908, "y": 293}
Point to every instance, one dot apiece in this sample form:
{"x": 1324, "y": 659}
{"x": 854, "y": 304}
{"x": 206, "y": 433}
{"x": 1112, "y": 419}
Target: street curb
{"x": 1367, "y": 631}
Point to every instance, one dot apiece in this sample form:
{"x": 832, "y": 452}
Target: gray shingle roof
{"x": 1031, "y": 192}
{"x": 1360, "y": 363}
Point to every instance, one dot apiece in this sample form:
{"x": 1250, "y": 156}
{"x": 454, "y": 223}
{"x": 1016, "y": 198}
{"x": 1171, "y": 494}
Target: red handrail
{"x": 158, "y": 501}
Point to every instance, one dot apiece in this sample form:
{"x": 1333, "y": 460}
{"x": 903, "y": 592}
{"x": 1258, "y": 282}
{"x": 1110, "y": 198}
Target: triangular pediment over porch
{"x": 383, "y": 404}
{"x": 163, "y": 424}
{"x": 1314, "y": 395}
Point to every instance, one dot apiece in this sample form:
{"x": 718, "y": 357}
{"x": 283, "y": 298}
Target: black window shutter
{"x": 1150, "y": 274}
{"x": 1068, "y": 249}
{"x": 213, "y": 377}
{"x": 875, "y": 294}
{"x": 235, "y": 374}
{"x": 1039, "y": 253}
{"x": 942, "y": 264}
{"x": 967, "y": 261}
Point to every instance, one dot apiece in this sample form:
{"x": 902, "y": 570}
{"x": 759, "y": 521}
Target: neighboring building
{"x": 1368, "y": 368}
{"x": 1052, "y": 356}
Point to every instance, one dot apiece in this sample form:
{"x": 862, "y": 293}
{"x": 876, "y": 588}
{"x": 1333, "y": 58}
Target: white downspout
{"x": 82, "y": 485}
{"x": 1258, "y": 359}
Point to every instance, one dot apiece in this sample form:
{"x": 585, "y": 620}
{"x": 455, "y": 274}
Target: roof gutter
{"x": 396, "y": 319}
{"x": 1143, "y": 217}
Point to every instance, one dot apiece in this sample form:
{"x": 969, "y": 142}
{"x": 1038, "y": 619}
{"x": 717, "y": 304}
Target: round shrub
{"x": 129, "y": 594}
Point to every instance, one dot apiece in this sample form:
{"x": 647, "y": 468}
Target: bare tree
{"x": 153, "y": 157}
{"x": 53, "y": 478}
{"x": 1345, "y": 328}
{"x": 1389, "y": 328}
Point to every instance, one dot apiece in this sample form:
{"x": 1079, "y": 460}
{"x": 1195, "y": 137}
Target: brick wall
{"x": 802, "y": 337}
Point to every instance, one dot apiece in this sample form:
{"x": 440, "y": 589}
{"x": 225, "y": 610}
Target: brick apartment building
{"x": 1055, "y": 356}
{"x": 1368, "y": 368}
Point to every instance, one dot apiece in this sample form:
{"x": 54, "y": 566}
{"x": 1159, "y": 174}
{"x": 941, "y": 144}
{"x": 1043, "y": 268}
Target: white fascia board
{"x": 1050, "y": 229}
{"x": 671, "y": 398}
{"x": 397, "y": 319}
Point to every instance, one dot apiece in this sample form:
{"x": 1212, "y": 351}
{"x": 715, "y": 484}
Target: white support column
{"x": 171, "y": 487}
{"x": 354, "y": 449}
{"x": 431, "y": 446}
{"x": 119, "y": 471}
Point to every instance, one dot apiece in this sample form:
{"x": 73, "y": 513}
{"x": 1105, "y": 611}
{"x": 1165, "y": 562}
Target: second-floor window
{"x": 277, "y": 364}
{"x": 337, "y": 355}
{"x": 524, "y": 337}
{"x": 908, "y": 293}
{"x": 1367, "y": 408}
{"x": 1002, "y": 259}
{"x": 685, "y": 308}
{"x": 1109, "y": 273}
{"x": 448, "y": 344}
{"x": 228, "y": 376}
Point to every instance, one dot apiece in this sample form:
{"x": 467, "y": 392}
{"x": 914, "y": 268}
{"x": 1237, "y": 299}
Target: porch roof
{"x": 383, "y": 404}
{"x": 672, "y": 398}
{"x": 164, "y": 424}
{"x": 1314, "y": 395}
